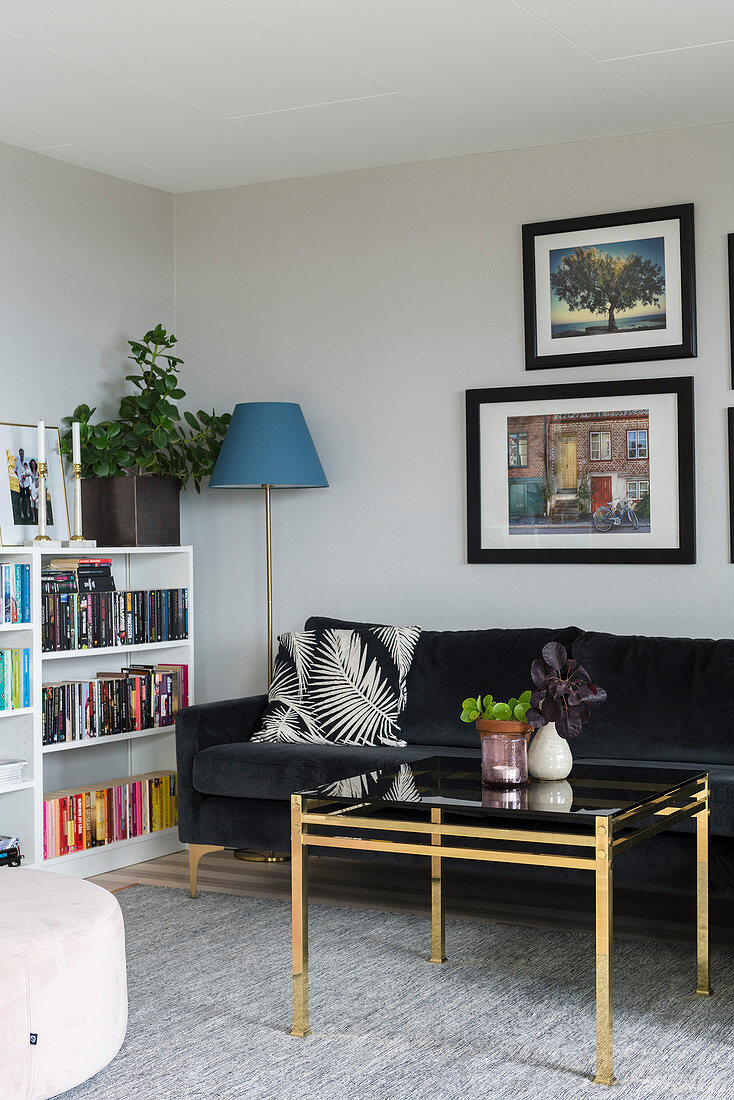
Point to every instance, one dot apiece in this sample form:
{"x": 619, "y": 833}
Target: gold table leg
{"x": 604, "y": 1040}
{"x": 438, "y": 916}
{"x": 196, "y": 851}
{"x": 703, "y": 971}
{"x": 299, "y": 901}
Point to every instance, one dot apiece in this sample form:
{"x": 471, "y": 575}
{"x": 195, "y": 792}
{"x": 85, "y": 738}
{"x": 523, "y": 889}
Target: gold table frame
{"x": 603, "y": 839}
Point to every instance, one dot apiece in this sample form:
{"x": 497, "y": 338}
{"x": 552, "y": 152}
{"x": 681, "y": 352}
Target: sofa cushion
{"x": 261, "y": 769}
{"x": 667, "y": 698}
{"x": 722, "y": 787}
{"x": 450, "y": 665}
{"x": 334, "y": 686}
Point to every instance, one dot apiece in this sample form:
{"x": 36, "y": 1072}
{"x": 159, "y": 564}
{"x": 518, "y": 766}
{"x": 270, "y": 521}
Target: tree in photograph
{"x": 594, "y": 280}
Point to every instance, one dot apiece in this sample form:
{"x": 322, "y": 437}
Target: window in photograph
{"x": 600, "y": 446}
{"x": 636, "y": 490}
{"x": 518, "y": 449}
{"x": 637, "y": 443}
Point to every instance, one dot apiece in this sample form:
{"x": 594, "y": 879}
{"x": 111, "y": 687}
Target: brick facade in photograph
{"x": 582, "y": 459}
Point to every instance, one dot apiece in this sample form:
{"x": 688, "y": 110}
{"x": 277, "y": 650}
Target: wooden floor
{"x": 639, "y": 914}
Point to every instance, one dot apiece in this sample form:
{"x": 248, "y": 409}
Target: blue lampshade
{"x": 267, "y": 443}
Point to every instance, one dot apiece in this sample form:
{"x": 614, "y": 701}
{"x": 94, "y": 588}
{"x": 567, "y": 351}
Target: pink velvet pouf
{"x": 63, "y": 985}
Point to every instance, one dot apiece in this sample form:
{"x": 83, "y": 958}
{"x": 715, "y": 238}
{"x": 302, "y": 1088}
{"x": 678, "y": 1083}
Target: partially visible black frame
{"x": 730, "y": 241}
{"x": 685, "y": 350}
{"x": 730, "y": 420}
{"x": 683, "y": 554}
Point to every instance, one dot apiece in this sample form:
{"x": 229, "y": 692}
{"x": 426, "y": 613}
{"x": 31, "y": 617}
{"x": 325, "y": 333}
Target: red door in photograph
{"x": 601, "y": 492}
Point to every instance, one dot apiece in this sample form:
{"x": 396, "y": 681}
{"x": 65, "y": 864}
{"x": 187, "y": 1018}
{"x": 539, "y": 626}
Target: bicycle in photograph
{"x": 615, "y": 513}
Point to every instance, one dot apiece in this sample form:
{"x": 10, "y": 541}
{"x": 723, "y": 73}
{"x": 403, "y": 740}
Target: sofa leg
{"x": 196, "y": 851}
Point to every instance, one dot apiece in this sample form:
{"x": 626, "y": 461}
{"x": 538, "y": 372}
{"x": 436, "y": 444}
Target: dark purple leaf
{"x": 569, "y": 724}
{"x": 540, "y": 672}
{"x": 534, "y": 718}
{"x": 554, "y": 654}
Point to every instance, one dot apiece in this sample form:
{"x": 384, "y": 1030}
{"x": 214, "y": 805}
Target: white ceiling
{"x": 186, "y": 95}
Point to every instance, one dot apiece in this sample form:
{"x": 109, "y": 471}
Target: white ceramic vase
{"x": 549, "y": 755}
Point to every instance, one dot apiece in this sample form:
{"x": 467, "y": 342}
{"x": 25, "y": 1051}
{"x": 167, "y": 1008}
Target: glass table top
{"x": 455, "y": 783}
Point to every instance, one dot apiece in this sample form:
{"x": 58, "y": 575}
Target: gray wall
{"x": 87, "y": 261}
{"x": 375, "y": 298}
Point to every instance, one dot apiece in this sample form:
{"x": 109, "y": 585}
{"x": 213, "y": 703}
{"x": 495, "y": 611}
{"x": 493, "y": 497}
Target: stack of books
{"x": 15, "y": 593}
{"x": 140, "y": 697}
{"x": 15, "y": 678}
{"x": 11, "y": 773}
{"x": 91, "y": 817}
{"x": 100, "y": 619}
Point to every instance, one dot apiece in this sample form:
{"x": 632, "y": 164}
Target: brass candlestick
{"x": 42, "y": 536}
{"x": 77, "y": 536}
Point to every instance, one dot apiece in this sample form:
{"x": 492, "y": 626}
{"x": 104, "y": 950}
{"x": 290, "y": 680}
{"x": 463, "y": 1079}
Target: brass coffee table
{"x": 437, "y": 807}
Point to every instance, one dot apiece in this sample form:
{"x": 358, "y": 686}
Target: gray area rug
{"x": 510, "y": 1016}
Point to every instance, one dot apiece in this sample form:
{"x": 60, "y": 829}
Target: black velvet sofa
{"x": 669, "y": 703}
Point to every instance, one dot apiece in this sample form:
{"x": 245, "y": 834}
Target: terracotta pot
{"x": 491, "y": 727}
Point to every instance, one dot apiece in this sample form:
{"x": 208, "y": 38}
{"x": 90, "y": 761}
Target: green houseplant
{"x": 134, "y": 466}
{"x": 487, "y": 710}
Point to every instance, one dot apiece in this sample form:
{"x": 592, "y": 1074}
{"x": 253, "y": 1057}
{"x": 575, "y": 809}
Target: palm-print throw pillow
{"x": 338, "y": 686}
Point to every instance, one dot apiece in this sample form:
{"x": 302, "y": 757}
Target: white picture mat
{"x": 494, "y": 494}
{"x": 12, "y": 438}
{"x": 672, "y": 334}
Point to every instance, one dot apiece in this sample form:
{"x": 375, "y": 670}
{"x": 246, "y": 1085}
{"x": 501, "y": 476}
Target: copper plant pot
{"x": 492, "y": 727}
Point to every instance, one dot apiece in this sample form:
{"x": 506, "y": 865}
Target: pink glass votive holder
{"x": 504, "y": 753}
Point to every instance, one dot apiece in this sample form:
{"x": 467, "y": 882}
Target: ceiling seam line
{"x": 599, "y": 61}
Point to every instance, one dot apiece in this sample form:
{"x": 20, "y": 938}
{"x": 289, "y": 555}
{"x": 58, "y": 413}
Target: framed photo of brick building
{"x": 614, "y": 288}
{"x": 588, "y": 472}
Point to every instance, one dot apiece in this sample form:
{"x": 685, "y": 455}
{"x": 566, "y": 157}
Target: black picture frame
{"x": 730, "y": 437}
{"x": 586, "y": 356}
{"x": 730, "y": 249}
{"x": 685, "y": 550}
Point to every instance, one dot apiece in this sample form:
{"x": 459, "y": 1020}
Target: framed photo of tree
{"x": 614, "y": 288}
{"x": 590, "y": 472}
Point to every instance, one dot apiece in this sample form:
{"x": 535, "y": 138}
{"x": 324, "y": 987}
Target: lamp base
{"x": 261, "y": 857}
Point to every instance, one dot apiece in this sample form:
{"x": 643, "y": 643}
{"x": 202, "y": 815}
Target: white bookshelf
{"x": 89, "y": 763}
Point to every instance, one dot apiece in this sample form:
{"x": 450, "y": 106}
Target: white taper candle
{"x": 41, "y": 442}
{"x": 76, "y": 443}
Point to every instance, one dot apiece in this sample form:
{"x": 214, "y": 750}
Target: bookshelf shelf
{"x": 54, "y": 767}
{"x": 24, "y": 785}
{"x": 104, "y": 651}
{"x": 112, "y": 739}
{"x": 118, "y": 853}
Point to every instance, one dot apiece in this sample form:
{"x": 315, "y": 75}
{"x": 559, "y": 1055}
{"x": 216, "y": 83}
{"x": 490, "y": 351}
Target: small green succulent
{"x": 514, "y": 710}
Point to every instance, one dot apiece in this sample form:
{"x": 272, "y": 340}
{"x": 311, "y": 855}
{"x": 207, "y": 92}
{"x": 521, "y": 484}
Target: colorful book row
{"x": 74, "y": 821}
{"x": 137, "y": 698}
{"x": 15, "y": 678}
{"x": 101, "y": 619}
{"x": 15, "y": 593}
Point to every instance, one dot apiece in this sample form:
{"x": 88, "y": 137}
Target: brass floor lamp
{"x": 267, "y": 446}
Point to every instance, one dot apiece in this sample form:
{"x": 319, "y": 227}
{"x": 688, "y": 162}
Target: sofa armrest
{"x": 197, "y": 728}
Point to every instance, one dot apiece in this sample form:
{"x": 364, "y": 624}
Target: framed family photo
{"x": 615, "y": 288}
{"x": 19, "y": 500}
{"x": 589, "y": 472}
